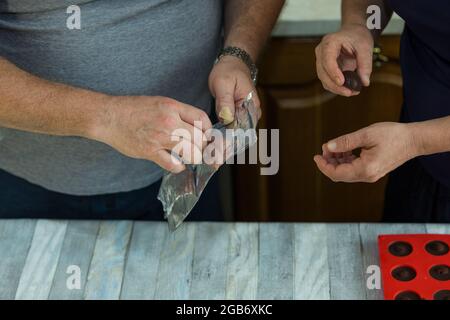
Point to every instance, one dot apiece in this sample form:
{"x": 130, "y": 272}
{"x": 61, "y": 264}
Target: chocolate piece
{"x": 400, "y": 249}
{"x": 352, "y": 81}
{"x": 440, "y": 272}
{"x": 404, "y": 273}
{"x": 407, "y": 295}
{"x": 442, "y": 295}
{"x": 437, "y": 248}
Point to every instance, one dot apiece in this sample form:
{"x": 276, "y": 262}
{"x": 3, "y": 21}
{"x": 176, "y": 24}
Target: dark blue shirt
{"x": 425, "y": 60}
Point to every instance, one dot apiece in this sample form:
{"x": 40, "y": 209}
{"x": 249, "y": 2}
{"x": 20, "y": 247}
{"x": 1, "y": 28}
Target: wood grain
{"x": 209, "y": 269}
{"x": 143, "y": 260}
{"x": 242, "y": 274}
{"x": 276, "y": 262}
{"x": 311, "y": 276}
{"x": 345, "y": 262}
{"x": 107, "y": 266}
{"x": 198, "y": 261}
{"x": 42, "y": 259}
{"x": 77, "y": 250}
{"x": 175, "y": 264}
{"x": 15, "y": 241}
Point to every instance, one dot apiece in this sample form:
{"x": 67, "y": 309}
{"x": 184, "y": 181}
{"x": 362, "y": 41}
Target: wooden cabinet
{"x": 294, "y": 102}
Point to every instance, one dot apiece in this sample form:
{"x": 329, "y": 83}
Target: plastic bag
{"x": 180, "y": 192}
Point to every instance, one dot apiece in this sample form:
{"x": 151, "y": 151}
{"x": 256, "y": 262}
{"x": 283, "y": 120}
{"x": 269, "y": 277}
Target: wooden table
{"x": 142, "y": 260}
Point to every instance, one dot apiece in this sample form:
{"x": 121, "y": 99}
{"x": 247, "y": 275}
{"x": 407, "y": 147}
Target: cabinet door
{"x": 307, "y": 116}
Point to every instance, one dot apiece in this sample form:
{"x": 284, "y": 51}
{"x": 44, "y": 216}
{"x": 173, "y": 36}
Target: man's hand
{"x": 146, "y": 128}
{"x": 351, "y": 48}
{"x": 384, "y": 147}
{"x": 247, "y": 25}
{"x": 230, "y": 82}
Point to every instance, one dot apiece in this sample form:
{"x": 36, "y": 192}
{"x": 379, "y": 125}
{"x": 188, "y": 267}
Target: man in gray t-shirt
{"x": 91, "y": 90}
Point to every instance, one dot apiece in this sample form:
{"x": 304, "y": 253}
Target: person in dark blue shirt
{"x": 417, "y": 149}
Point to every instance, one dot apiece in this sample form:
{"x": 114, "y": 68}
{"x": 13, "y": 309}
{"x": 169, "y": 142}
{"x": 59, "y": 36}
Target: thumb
{"x": 347, "y": 142}
{"x": 225, "y": 102}
{"x": 365, "y": 60}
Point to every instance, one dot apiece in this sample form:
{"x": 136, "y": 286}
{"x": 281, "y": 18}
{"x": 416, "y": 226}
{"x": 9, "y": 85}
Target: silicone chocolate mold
{"x": 415, "y": 267}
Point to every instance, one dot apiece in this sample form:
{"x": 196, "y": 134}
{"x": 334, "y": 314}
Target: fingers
{"x": 187, "y": 142}
{"x": 168, "y": 162}
{"x": 184, "y": 133}
{"x": 224, "y": 90}
{"x": 343, "y": 172}
{"x": 193, "y": 116}
{"x": 364, "y": 58}
{"x": 348, "y": 142}
{"x": 192, "y": 134}
{"x": 343, "y": 51}
{"x": 327, "y": 80}
{"x": 347, "y": 157}
{"x": 230, "y": 83}
{"x": 329, "y": 54}
{"x": 329, "y": 156}
{"x": 188, "y": 152}
{"x": 337, "y": 161}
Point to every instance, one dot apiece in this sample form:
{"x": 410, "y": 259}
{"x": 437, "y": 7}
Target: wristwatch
{"x": 244, "y": 56}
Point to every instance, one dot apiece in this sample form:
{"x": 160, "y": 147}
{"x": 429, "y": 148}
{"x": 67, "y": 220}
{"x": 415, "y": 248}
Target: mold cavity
{"x": 440, "y": 272}
{"x": 407, "y": 295}
{"x": 442, "y": 295}
{"x": 400, "y": 249}
{"x": 437, "y": 248}
{"x": 404, "y": 273}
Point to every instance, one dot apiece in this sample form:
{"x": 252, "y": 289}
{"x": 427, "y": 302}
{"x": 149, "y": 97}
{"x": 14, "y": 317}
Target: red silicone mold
{"x": 415, "y": 266}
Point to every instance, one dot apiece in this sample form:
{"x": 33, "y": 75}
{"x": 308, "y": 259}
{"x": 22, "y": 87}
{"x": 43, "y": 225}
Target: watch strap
{"x": 244, "y": 56}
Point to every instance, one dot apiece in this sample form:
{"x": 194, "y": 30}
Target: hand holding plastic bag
{"x": 180, "y": 192}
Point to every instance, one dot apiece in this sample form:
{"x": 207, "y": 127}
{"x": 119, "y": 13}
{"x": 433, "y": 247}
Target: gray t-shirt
{"x": 138, "y": 47}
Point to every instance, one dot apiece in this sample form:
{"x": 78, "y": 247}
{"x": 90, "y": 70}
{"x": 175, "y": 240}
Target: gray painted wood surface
{"x": 345, "y": 266}
{"x": 105, "y": 275}
{"x": 76, "y": 256}
{"x": 142, "y": 264}
{"x": 15, "y": 241}
{"x": 143, "y": 260}
{"x": 242, "y": 273}
{"x": 37, "y": 275}
{"x": 209, "y": 265}
{"x": 276, "y": 261}
{"x": 175, "y": 265}
{"x": 311, "y": 272}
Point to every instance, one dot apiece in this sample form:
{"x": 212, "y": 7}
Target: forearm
{"x": 354, "y": 12}
{"x": 32, "y": 104}
{"x": 248, "y": 23}
{"x": 432, "y": 136}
